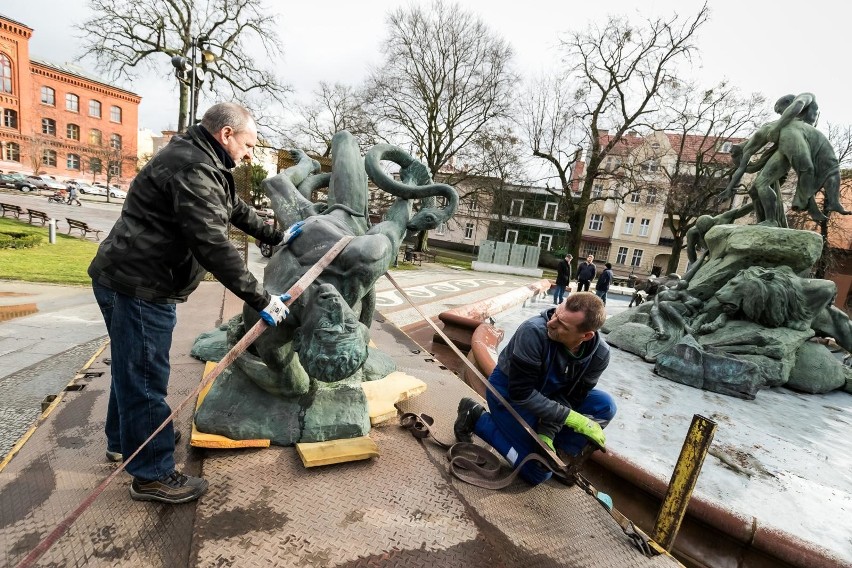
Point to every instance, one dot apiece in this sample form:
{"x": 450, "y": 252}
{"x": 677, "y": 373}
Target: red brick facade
{"x": 56, "y": 121}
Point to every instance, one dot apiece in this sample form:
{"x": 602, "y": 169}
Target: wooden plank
{"x": 315, "y": 454}
{"x": 383, "y": 394}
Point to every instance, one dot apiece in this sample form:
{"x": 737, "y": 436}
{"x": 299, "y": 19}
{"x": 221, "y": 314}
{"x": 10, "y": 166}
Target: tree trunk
{"x": 183, "y": 109}
{"x": 674, "y": 258}
{"x": 422, "y": 243}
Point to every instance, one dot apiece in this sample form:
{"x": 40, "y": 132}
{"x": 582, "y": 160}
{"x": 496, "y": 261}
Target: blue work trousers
{"x": 500, "y": 429}
{"x": 140, "y": 335}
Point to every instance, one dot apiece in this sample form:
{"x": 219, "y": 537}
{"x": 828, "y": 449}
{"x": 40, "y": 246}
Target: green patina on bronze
{"x": 305, "y": 372}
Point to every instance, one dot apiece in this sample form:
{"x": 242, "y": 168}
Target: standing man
{"x": 548, "y": 373}
{"x": 604, "y": 282}
{"x": 586, "y": 273}
{"x": 173, "y": 227}
{"x": 563, "y": 277}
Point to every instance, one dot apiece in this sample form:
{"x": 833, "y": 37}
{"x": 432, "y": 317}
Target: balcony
{"x": 531, "y": 222}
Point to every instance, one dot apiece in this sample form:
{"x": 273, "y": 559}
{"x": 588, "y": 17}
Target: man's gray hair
{"x": 221, "y": 115}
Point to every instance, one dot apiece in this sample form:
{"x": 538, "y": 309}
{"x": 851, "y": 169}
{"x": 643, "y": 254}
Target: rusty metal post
{"x": 683, "y": 480}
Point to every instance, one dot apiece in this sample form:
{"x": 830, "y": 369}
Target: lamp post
{"x": 190, "y": 71}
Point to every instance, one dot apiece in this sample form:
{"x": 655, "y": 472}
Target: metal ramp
{"x": 264, "y": 509}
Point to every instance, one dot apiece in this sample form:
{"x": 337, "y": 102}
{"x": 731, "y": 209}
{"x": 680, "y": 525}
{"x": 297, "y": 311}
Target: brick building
{"x": 59, "y": 120}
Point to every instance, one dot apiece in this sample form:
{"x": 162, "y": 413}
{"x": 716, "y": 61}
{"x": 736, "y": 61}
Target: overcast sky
{"x": 760, "y": 46}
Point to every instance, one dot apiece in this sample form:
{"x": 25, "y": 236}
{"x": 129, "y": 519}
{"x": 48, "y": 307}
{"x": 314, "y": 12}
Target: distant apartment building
{"x": 60, "y": 120}
{"x": 631, "y": 226}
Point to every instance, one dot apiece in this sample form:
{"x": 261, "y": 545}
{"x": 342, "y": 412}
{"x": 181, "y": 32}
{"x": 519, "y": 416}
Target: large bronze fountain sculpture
{"x": 744, "y": 315}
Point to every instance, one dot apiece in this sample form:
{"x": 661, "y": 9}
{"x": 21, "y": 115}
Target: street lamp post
{"x": 190, "y": 71}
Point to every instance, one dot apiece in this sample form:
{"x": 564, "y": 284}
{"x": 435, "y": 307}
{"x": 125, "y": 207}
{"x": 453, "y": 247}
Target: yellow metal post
{"x": 683, "y": 480}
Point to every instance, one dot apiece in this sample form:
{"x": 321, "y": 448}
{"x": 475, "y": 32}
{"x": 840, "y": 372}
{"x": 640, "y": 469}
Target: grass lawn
{"x": 62, "y": 263}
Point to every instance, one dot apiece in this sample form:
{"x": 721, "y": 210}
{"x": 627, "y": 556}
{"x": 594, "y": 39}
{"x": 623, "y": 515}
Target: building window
{"x": 73, "y": 132}
{"x": 48, "y": 96}
{"x": 545, "y": 241}
{"x": 48, "y": 158}
{"x": 511, "y": 236}
{"x": 628, "y": 225}
{"x": 72, "y": 102}
{"x": 442, "y": 228}
{"x": 73, "y": 162}
{"x": 597, "y": 190}
{"x": 517, "y": 207}
{"x": 115, "y": 141}
{"x": 474, "y": 204}
{"x": 651, "y": 166}
{"x": 637, "y": 258}
{"x": 621, "y": 257}
{"x": 547, "y": 207}
{"x": 115, "y": 169}
{"x": 48, "y": 126}
{"x": 115, "y": 113}
{"x": 597, "y": 250}
{"x": 10, "y": 118}
{"x": 725, "y": 148}
{"x": 635, "y": 197}
{"x": 468, "y": 231}
{"x": 5, "y": 74}
{"x": 644, "y": 227}
{"x": 95, "y": 109}
{"x": 651, "y": 198}
{"x": 95, "y": 138}
{"x": 595, "y": 222}
{"x": 13, "y": 152}
{"x": 655, "y": 146}
{"x": 95, "y": 165}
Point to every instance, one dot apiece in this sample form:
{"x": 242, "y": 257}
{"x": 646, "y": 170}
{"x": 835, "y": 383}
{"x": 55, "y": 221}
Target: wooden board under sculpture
{"x": 743, "y": 317}
{"x": 300, "y": 381}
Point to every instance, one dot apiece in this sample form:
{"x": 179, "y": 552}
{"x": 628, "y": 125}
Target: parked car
{"x": 10, "y": 180}
{"x": 89, "y": 189}
{"x": 119, "y": 193}
{"x": 50, "y": 183}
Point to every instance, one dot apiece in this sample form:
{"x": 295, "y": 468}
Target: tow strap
{"x": 295, "y": 291}
{"x": 480, "y": 467}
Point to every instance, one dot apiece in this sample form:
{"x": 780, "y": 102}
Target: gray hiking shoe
{"x": 117, "y": 457}
{"x": 173, "y": 488}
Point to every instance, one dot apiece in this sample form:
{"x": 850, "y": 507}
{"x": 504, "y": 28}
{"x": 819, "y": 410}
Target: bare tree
{"x": 706, "y": 122}
{"x": 127, "y": 37}
{"x": 334, "y": 108}
{"x": 445, "y": 76}
{"x": 612, "y": 84}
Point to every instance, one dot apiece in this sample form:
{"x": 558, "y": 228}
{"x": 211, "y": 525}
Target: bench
{"x": 16, "y": 209}
{"x": 83, "y": 228}
{"x": 40, "y": 215}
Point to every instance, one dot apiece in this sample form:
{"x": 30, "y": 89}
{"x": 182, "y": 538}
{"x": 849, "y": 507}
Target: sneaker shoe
{"x": 469, "y": 413}
{"x": 172, "y": 488}
{"x": 117, "y": 457}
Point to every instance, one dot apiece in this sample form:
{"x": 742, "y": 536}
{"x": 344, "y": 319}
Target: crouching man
{"x": 548, "y": 373}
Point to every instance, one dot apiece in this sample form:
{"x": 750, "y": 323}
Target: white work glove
{"x": 276, "y": 311}
{"x": 291, "y": 233}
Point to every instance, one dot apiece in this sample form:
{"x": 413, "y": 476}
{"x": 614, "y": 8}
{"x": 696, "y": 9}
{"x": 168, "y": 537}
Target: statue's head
{"x": 331, "y": 342}
{"x": 782, "y": 103}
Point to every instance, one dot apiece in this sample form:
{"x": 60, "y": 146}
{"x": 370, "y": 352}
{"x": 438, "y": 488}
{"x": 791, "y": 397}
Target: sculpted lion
{"x": 776, "y": 297}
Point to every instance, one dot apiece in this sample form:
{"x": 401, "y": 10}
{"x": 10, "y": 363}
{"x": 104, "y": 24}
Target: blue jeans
{"x": 602, "y": 295}
{"x": 500, "y": 429}
{"x": 558, "y": 294}
{"x": 140, "y": 335}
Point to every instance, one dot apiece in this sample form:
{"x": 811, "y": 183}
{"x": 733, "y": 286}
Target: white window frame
{"x": 636, "y": 197}
{"x": 636, "y": 260}
{"x": 651, "y": 197}
{"x": 442, "y": 229}
{"x": 468, "y": 231}
{"x": 549, "y": 239}
{"x": 621, "y": 257}
{"x": 555, "y": 209}
{"x": 514, "y": 234}
{"x": 597, "y": 190}
{"x": 520, "y": 212}
{"x": 644, "y": 227}
{"x": 596, "y": 222}
{"x": 628, "y": 225}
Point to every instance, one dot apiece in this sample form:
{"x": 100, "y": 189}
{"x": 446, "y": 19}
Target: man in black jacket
{"x": 173, "y": 227}
{"x": 563, "y": 277}
{"x": 586, "y": 273}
